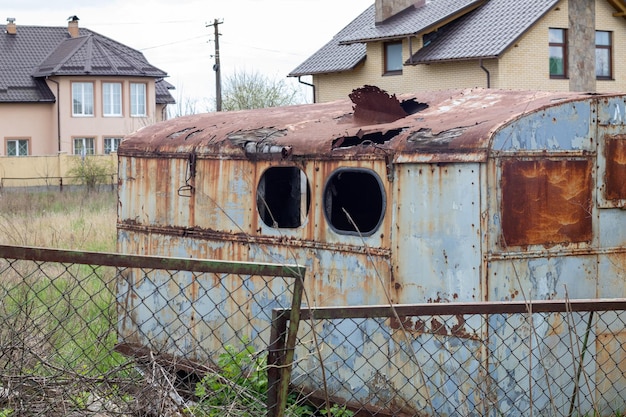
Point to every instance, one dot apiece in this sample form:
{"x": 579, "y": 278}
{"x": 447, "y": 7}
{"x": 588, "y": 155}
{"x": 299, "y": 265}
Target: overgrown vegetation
{"x": 67, "y": 220}
{"x": 91, "y": 171}
{"x": 240, "y": 389}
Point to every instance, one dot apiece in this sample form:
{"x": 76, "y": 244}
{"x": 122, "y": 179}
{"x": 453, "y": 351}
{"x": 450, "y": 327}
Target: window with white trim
{"x": 111, "y": 145}
{"x": 84, "y": 146}
{"x": 82, "y": 99}
{"x": 137, "y": 99}
{"x": 112, "y": 99}
{"x": 17, "y": 147}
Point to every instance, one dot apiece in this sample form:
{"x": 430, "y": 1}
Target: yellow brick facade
{"x": 524, "y": 65}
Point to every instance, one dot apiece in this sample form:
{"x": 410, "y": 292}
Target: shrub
{"x": 91, "y": 171}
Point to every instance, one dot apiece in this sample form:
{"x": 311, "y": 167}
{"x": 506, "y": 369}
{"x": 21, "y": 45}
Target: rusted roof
{"x": 436, "y": 126}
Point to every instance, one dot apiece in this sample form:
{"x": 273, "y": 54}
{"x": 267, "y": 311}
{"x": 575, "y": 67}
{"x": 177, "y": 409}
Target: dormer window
{"x": 393, "y": 58}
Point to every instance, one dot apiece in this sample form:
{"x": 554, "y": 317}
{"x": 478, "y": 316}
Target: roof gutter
{"x": 58, "y": 114}
{"x": 310, "y": 85}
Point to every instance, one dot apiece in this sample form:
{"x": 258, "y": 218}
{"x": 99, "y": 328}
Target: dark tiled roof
{"x": 334, "y": 57}
{"x": 40, "y": 51}
{"x": 413, "y": 20}
{"x": 486, "y": 32}
{"x": 163, "y": 95}
{"x": 481, "y": 33}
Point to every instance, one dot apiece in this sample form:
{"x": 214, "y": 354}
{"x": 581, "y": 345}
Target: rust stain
{"x": 546, "y": 202}
{"x": 435, "y": 327}
{"x": 615, "y": 174}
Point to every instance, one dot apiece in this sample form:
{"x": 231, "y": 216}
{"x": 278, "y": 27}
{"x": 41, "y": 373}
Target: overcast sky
{"x": 270, "y": 36}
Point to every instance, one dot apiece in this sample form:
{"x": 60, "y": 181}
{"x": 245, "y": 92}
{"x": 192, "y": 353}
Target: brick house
{"x": 409, "y": 45}
{"x": 71, "y": 90}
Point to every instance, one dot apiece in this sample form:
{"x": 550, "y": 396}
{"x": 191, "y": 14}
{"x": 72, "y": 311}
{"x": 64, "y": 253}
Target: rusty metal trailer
{"x": 462, "y": 195}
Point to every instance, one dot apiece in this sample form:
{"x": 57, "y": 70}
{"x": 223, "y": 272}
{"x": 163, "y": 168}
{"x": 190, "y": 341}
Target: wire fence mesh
{"x": 108, "y": 335}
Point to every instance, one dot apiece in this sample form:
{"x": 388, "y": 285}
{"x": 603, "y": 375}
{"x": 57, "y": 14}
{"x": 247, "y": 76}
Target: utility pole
{"x": 216, "y": 66}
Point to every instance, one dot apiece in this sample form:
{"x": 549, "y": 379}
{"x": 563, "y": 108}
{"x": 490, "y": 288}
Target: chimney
{"x": 72, "y": 26}
{"x": 11, "y": 28}
{"x": 388, "y": 8}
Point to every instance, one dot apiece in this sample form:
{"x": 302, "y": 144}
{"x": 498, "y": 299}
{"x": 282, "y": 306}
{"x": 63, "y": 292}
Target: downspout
{"x": 310, "y": 85}
{"x": 480, "y": 62}
{"x": 58, "y": 114}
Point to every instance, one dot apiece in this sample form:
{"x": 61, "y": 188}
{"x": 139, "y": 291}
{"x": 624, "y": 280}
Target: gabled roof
{"x": 466, "y": 29}
{"x": 484, "y": 33}
{"x": 163, "y": 95}
{"x": 334, "y": 57}
{"x": 414, "y": 20}
{"x": 35, "y": 52}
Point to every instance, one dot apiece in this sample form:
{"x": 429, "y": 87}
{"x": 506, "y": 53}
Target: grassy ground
{"x": 65, "y": 220}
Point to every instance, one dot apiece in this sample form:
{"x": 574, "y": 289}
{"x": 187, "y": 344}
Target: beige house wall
{"x": 32, "y": 122}
{"x": 523, "y": 66}
{"x": 28, "y": 171}
{"x": 39, "y": 122}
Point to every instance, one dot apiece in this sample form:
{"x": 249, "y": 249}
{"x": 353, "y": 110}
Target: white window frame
{"x": 84, "y": 146}
{"x": 112, "y": 99}
{"x": 113, "y": 144}
{"x": 138, "y": 92}
{"x": 18, "y": 143}
{"x": 82, "y": 99}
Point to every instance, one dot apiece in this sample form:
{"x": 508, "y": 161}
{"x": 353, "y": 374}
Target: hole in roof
{"x": 369, "y": 138}
{"x": 180, "y": 132}
{"x": 412, "y": 106}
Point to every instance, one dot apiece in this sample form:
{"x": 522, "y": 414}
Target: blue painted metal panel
{"x": 564, "y": 127}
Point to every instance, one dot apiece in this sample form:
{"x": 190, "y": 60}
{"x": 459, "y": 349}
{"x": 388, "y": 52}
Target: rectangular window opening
{"x": 138, "y": 99}
{"x": 604, "y": 55}
{"x": 82, "y": 99}
{"x": 393, "y": 58}
{"x": 558, "y": 52}
{"x": 111, "y": 145}
{"x": 17, "y": 147}
{"x": 84, "y": 146}
{"x": 112, "y": 99}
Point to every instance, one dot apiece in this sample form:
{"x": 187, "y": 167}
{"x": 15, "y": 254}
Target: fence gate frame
{"x": 281, "y": 348}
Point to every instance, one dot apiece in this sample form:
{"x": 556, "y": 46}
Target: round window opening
{"x": 354, "y": 201}
{"x": 283, "y": 197}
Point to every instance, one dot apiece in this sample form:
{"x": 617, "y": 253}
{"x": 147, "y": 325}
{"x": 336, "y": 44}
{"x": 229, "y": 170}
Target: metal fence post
{"x": 289, "y": 351}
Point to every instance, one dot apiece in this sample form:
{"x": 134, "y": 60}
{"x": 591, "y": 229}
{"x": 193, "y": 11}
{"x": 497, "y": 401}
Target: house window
{"x": 558, "y": 53}
{"x": 604, "y": 62}
{"x": 354, "y": 201}
{"x": 111, "y": 144}
{"x": 112, "y": 99}
{"x": 283, "y": 197}
{"x": 393, "y": 58}
{"x": 137, "y": 99}
{"x": 17, "y": 147}
{"x": 82, "y": 99}
{"x": 84, "y": 146}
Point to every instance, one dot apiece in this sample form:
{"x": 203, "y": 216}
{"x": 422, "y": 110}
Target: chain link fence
{"x": 112, "y": 335}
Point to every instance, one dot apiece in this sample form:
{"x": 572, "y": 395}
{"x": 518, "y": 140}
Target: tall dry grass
{"x": 77, "y": 220}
